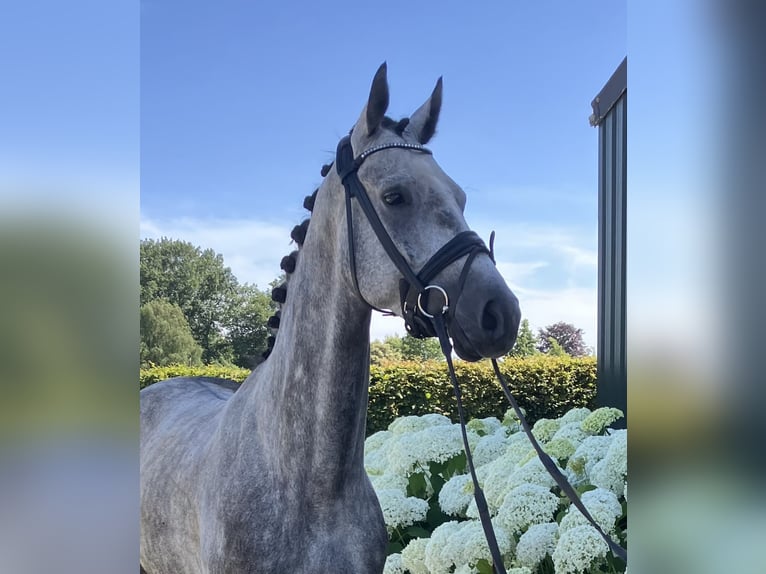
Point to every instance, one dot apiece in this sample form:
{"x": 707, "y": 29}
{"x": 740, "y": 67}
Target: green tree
{"x": 414, "y": 349}
{"x": 566, "y": 335}
{"x": 382, "y": 352}
{"x": 197, "y": 281}
{"x": 556, "y": 350}
{"x": 245, "y": 325}
{"x": 526, "y": 342}
{"x": 166, "y": 337}
{"x": 407, "y": 348}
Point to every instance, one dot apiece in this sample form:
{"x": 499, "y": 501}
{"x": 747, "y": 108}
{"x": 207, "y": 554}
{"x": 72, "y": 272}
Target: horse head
{"x": 420, "y": 209}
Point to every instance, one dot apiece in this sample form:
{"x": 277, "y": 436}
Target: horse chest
{"x": 282, "y": 532}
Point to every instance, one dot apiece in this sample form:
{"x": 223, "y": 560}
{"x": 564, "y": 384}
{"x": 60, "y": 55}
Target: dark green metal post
{"x": 610, "y": 115}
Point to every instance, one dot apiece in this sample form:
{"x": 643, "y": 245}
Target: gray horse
{"x": 268, "y": 477}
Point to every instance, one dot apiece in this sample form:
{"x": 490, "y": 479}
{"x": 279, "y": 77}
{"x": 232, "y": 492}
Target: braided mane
{"x": 298, "y": 235}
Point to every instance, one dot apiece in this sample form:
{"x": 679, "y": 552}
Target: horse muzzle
{"x": 486, "y": 319}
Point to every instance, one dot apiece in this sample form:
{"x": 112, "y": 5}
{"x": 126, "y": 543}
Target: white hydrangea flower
{"x": 376, "y": 463}
{"x": 436, "y": 443}
{"x": 413, "y": 423}
{"x": 473, "y": 439}
{"x": 538, "y": 541}
{"x": 518, "y": 570}
{"x": 453, "y": 550}
{"x": 436, "y": 559}
{"x": 486, "y": 426}
{"x": 489, "y": 447}
{"x": 388, "y": 481}
{"x": 511, "y": 421}
{"x": 502, "y": 475}
{"x": 494, "y": 477}
{"x": 376, "y": 452}
{"x": 414, "y": 556}
{"x": 533, "y": 472}
{"x": 399, "y": 510}
{"x": 466, "y": 569}
{"x": 598, "y": 420}
{"x": 571, "y": 432}
{"x": 590, "y": 451}
{"x": 603, "y": 507}
{"x": 461, "y": 545}
{"x": 610, "y": 472}
{"x": 456, "y": 495}
{"x": 544, "y": 429}
{"x": 526, "y": 505}
{"x": 375, "y": 441}
{"x": 473, "y": 543}
{"x": 495, "y": 474}
{"x": 575, "y": 415}
{"x": 519, "y": 447}
{"x": 559, "y": 448}
{"x": 393, "y": 564}
{"x": 577, "y": 549}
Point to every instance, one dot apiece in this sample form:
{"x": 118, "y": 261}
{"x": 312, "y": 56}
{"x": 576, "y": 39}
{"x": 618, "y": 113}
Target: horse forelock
{"x": 396, "y": 126}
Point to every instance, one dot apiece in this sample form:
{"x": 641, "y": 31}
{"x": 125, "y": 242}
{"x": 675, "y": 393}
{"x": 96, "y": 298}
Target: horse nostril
{"x": 491, "y": 318}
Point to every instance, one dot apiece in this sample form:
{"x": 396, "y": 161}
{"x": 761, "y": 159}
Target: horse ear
{"x": 423, "y": 122}
{"x": 377, "y": 104}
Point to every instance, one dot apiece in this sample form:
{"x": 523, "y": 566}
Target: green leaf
{"x": 435, "y": 516}
{"x": 582, "y": 489}
{"x": 394, "y": 548}
{"x": 417, "y": 485}
{"x": 455, "y": 465}
{"x": 484, "y": 567}
{"x": 437, "y": 482}
{"x": 415, "y": 531}
{"x": 436, "y": 468}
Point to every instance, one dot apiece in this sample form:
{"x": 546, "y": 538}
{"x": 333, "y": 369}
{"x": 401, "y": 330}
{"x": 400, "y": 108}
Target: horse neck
{"x": 312, "y": 391}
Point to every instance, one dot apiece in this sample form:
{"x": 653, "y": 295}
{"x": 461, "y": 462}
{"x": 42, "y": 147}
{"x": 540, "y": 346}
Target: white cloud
{"x": 251, "y": 248}
{"x": 575, "y": 305}
{"x": 519, "y": 271}
{"x": 570, "y": 298}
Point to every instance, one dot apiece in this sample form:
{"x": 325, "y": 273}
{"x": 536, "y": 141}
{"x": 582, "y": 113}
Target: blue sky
{"x": 242, "y": 102}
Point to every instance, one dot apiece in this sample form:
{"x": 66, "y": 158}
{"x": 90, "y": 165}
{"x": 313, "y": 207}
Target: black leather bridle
{"x": 414, "y": 290}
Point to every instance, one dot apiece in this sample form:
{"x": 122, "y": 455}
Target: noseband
{"x": 414, "y": 288}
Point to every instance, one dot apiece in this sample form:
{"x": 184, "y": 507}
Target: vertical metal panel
{"x": 612, "y": 204}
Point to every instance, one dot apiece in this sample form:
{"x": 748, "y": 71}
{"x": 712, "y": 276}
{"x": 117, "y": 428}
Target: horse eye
{"x": 393, "y": 198}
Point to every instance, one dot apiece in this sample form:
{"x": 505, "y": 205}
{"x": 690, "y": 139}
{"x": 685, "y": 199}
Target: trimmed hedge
{"x": 544, "y": 386}
{"x": 151, "y": 375}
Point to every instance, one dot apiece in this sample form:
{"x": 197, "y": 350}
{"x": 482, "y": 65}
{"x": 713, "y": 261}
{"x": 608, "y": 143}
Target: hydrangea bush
{"x": 418, "y": 469}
